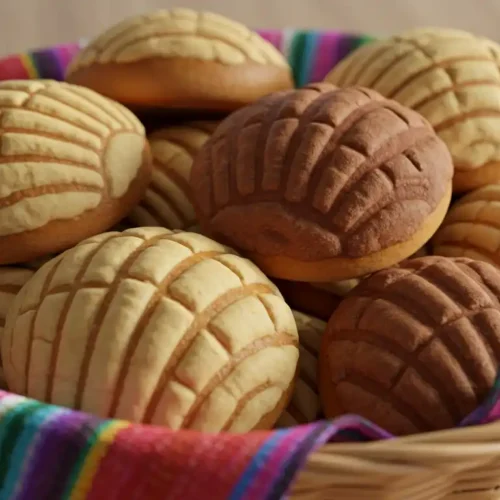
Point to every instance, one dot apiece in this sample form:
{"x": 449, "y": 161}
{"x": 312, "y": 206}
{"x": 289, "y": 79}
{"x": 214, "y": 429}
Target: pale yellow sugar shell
{"x": 183, "y": 33}
{"x": 154, "y": 326}
{"x": 449, "y": 76}
{"x": 305, "y": 404}
{"x": 472, "y": 227}
{"x": 339, "y": 288}
{"x": 65, "y": 153}
{"x": 12, "y": 279}
{"x": 167, "y": 202}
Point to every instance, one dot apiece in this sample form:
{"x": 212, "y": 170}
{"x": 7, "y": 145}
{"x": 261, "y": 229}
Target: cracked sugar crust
{"x": 320, "y": 172}
{"x": 449, "y": 76}
{"x": 151, "y": 325}
{"x": 471, "y": 227}
{"x": 416, "y": 347}
{"x": 305, "y": 404}
{"x": 181, "y": 33}
{"x": 65, "y": 150}
{"x": 168, "y": 200}
{"x": 12, "y": 279}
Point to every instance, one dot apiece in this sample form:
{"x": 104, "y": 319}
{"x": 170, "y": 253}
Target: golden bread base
{"x": 340, "y": 268}
{"x": 59, "y": 235}
{"x": 183, "y": 82}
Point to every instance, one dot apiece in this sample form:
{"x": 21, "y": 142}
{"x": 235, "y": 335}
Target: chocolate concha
{"x": 72, "y": 164}
{"x": 155, "y": 326}
{"x": 472, "y": 227}
{"x": 167, "y": 201}
{"x": 305, "y": 405}
{"x": 323, "y": 184}
{"x": 449, "y": 76}
{"x": 181, "y": 59}
{"x": 415, "y": 347}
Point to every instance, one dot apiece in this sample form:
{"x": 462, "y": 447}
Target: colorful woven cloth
{"x": 311, "y": 55}
{"x": 51, "y": 453}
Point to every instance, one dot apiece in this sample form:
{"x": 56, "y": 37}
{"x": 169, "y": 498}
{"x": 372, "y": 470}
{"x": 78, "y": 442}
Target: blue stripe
{"x": 259, "y": 460}
{"x": 24, "y": 445}
{"x": 310, "y": 43}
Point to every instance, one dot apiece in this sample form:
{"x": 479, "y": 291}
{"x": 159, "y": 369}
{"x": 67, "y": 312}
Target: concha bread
{"x": 472, "y": 227}
{"x": 331, "y": 183}
{"x": 415, "y": 347}
{"x": 167, "y": 201}
{"x": 154, "y": 326}
{"x": 72, "y": 164}
{"x": 12, "y": 279}
{"x": 181, "y": 58}
{"x": 305, "y": 405}
{"x": 449, "y": 76}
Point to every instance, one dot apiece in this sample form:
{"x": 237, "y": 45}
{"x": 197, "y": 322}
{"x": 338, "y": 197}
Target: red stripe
{"x": 12, "y": 68}
{"x": 150, "y": 462}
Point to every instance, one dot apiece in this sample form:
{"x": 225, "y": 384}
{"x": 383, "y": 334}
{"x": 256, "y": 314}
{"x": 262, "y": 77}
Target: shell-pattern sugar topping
{"x": 181, "y": 33}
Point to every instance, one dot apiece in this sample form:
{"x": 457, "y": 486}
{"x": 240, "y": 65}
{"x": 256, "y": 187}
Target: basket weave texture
{"x": 51, "y": 453}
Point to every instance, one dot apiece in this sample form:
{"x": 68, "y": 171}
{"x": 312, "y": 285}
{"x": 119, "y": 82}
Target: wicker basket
{"x": 49, "y": 453}
{"x": 455, "y": 464}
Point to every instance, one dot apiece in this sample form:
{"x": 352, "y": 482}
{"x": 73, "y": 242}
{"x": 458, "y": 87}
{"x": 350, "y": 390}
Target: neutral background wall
{"x": 34, "y": 23}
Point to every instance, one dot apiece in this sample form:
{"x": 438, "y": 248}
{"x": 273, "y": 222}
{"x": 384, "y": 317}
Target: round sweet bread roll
{"x": 323, "y": 184}
{"x": 72, "y": 164}
{"x": 167, "y": 201}
{"x": 154, "y": 326}
{"x": 12, "y": 279}
{"x": 305, "y": 406}
{"x": 183, "y": 59}
{"x": 321, "y": 299}
{"x": 449, "y": 76}
{"x": 472, "y": 227}
{"x": 415, "y": 347}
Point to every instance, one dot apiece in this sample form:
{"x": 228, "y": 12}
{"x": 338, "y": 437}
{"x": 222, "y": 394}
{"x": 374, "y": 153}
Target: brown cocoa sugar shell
{"x": 323, "y": 184}
{"x": 415, "y": 347}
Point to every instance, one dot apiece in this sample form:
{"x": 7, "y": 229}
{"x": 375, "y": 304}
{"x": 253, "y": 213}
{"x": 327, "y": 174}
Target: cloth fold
{"x": 51, "y": 453}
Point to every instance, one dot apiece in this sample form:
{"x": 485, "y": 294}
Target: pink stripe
{"x": 326, "y": 53}
{"x": 272, "y": 36}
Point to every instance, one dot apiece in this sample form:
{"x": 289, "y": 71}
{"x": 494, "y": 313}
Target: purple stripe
{"x": 65, "y": 54}
{"x": 326, "y": 55}
{"x": 55, "y": 455}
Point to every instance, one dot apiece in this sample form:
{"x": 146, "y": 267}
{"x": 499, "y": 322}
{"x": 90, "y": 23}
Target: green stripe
{"x": 297, "y": 55}
{"x": 92, "y": 440}
{"x": 12, "y": 431}
{"x": 361, "y": 40}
